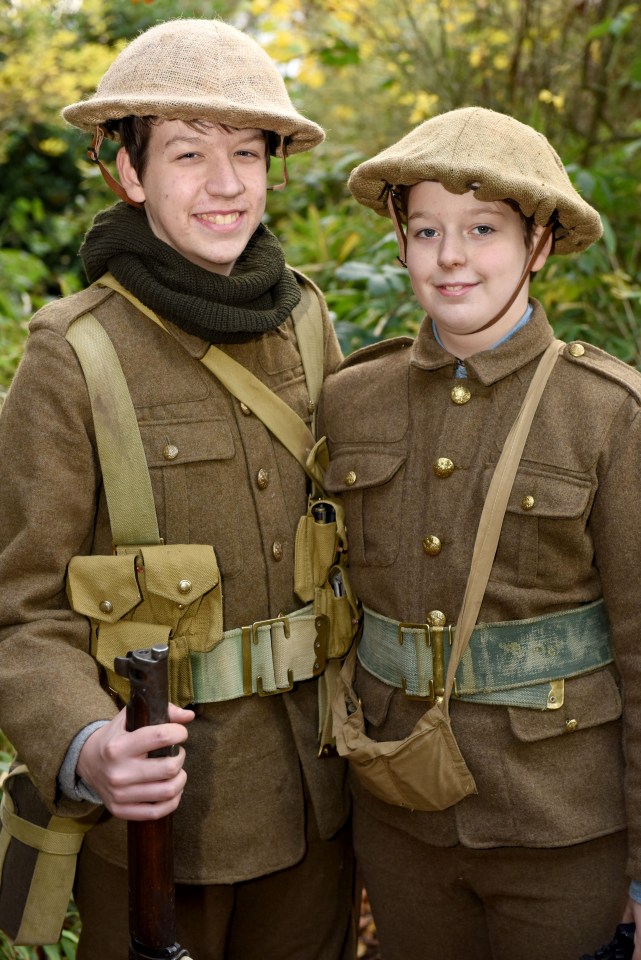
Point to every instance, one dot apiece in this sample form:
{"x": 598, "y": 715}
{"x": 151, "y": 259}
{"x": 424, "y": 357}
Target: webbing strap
{"x": 511, "y": 663}
{"x": 266, "y": 657}
{"x": 278, "y": 416}
{"x": 130, "y": 501}
{"x": 40, "y": 917}
{"x": 490, "y": 524}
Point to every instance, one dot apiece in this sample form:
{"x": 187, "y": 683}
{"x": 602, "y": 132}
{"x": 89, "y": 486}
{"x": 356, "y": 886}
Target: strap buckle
{"x": 260, "y": 689}
{"x": 435, "y": 639}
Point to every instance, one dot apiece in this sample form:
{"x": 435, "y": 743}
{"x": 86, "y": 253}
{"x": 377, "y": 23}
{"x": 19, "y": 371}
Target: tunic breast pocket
{"x": 544, "y": 535}
{"x": 370, "y": 483}
{"x": 198, "y": 485}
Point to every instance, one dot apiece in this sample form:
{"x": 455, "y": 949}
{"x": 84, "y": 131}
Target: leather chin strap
{"x": 93, "y": 154}
{"x": 94, "y": 151}
{"x": 402, "y": 258}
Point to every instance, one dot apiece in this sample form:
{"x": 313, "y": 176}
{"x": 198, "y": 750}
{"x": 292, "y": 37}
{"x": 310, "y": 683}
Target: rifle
{"x": 152, "y": 898}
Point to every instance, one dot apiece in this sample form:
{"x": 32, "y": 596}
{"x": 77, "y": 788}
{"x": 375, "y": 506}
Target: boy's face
{"x": 204, "y": 189}
{"x": 465, "y": 258}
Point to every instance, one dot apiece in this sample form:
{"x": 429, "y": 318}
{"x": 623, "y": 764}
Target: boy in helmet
{"x": 262, "y": 856}
{"x": 532, "y": 861}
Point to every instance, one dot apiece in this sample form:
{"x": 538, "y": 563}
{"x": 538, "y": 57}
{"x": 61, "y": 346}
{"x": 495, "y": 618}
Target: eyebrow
{"x": 481, "y": 211}
{"x": 250, "y": 137}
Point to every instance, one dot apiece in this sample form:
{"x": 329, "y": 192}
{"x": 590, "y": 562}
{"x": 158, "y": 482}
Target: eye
{"x": 427, "y": 233}
{"x": 483, "y": 230}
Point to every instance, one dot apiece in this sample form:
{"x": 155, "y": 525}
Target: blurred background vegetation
{"x": 367, "y": 70}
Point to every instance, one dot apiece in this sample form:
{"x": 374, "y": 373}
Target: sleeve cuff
{"x": 71, "y": 785}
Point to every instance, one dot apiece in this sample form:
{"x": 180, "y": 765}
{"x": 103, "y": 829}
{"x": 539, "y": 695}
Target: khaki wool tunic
{"x": 392, "y": 412}
{"x": 242, "y": 814}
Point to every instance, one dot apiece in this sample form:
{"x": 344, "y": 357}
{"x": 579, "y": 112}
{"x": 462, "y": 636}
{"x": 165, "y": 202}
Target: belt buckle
{"x": 290, "y": 673}
{"x": 434, "y": 638}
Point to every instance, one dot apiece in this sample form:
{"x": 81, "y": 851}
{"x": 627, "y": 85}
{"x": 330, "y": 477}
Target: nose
{"x": 223, "y": 179}
{"x": 451, "y": 251}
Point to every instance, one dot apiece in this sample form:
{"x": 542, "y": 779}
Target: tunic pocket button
{"x": 432, "y": 546}
{"x": 169, "y": 451}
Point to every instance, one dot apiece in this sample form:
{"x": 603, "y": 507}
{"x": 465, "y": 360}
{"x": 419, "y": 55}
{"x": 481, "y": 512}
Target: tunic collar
{"x": 491, "y": 365}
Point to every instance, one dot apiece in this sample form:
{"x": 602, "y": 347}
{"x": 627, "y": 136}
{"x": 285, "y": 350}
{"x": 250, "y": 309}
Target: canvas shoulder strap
{"x": 308, "y": 319}
{"x": 491, "y": 522}
{"x": 277, "y": 415}
{"x": 132, "y": 512}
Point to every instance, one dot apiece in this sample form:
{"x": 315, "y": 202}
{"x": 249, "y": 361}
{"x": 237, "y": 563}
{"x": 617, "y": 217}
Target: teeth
{"x": 219, "y": 218}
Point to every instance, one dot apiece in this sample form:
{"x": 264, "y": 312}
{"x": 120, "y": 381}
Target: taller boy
{"x": 262, "y": 857}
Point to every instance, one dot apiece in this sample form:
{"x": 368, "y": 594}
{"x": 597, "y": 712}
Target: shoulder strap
{"x": 125, "y": 474}
{"x": 494, "y": 508}
{"x": 308, "y": 326}
{"x": 277, "y": 415}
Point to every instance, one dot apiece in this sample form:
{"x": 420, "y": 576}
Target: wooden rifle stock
{"x": 152, "y": 899}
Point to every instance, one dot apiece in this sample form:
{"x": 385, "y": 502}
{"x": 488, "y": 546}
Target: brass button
{"x": 277, "y": 550}
{"x": 106, "y": 606}
{"x": 571, "y": 725}
{"x": 527, "y": 502}
{"x": 169, "y": 451}
{"x": 245, "y": 409}
{"x": 184, "y": 586}
{"x": 350, "y": 479}
{"x": 576, "y": 349}
{"x": 443, "y": 467}
{"x": 432, "y": 546}
{"x": 436, "y": 618}
{"x": 460, "y": 394}
{"x": 262, "y": 478}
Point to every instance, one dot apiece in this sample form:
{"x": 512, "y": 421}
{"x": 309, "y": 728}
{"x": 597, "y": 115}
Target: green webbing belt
{"x": 511, "y": 663}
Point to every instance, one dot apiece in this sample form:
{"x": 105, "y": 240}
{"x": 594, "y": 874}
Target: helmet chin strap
{"x": 402, "y": 258}
{"x": 93, "y": 154}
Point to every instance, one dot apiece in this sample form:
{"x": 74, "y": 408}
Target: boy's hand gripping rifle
{"x": 152, "y": 902}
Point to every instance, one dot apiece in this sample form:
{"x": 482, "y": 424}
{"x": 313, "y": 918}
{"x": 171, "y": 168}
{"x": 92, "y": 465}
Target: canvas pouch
{"x": 425, "y": 771}
{"x": 320, "y": 572}
{"x": 161, "y": 594}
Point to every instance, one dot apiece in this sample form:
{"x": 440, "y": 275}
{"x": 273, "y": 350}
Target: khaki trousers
{"x": 302, "y": 913}
{"x": 504, "y": 903}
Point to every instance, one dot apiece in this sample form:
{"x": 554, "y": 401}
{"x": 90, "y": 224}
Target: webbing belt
{"x": 515, "y": 663}
{"x": 266, "y": 657}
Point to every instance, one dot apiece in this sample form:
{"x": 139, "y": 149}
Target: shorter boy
{"x": 533, "y": 864}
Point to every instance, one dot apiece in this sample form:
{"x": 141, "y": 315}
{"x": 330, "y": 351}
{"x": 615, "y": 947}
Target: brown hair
{"x": 133, "y": 133}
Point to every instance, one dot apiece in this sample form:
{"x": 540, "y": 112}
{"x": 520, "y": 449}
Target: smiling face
{"x": 203, "y": 188}
{"x": 465, "y": 258}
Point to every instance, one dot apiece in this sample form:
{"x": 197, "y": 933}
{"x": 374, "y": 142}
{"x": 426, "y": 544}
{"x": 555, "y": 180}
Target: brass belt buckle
{"x": 290, "y": 673}
{"x": 434, "y": 638}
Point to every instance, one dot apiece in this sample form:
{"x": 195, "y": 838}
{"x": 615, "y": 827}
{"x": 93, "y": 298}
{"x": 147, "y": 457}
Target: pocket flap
{"x": 174, "y": 441}
{"x": 540, "y": 493}
{"x": 359, "y": 469}
{"x": 180, "y": 572}
{"x": 103, "y": 587}
{"x": 589, "y": 701}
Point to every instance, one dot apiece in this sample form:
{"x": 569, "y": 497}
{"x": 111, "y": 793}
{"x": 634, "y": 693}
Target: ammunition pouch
{"x": 38, "y": 854}
{"x": 168, "y": 593}
{"x": 320, "y": 573}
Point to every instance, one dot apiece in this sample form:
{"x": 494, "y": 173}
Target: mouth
{"x": 219, "y": 219}
{"x": 454, "y": 289}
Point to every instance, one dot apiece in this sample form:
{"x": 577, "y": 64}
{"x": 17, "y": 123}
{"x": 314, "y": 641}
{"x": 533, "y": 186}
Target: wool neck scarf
{"x": 259, "y": 295}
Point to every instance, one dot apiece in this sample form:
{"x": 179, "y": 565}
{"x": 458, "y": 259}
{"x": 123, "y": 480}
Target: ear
{"x": 129, "y": 178}
{"x": 545, "y": 252}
